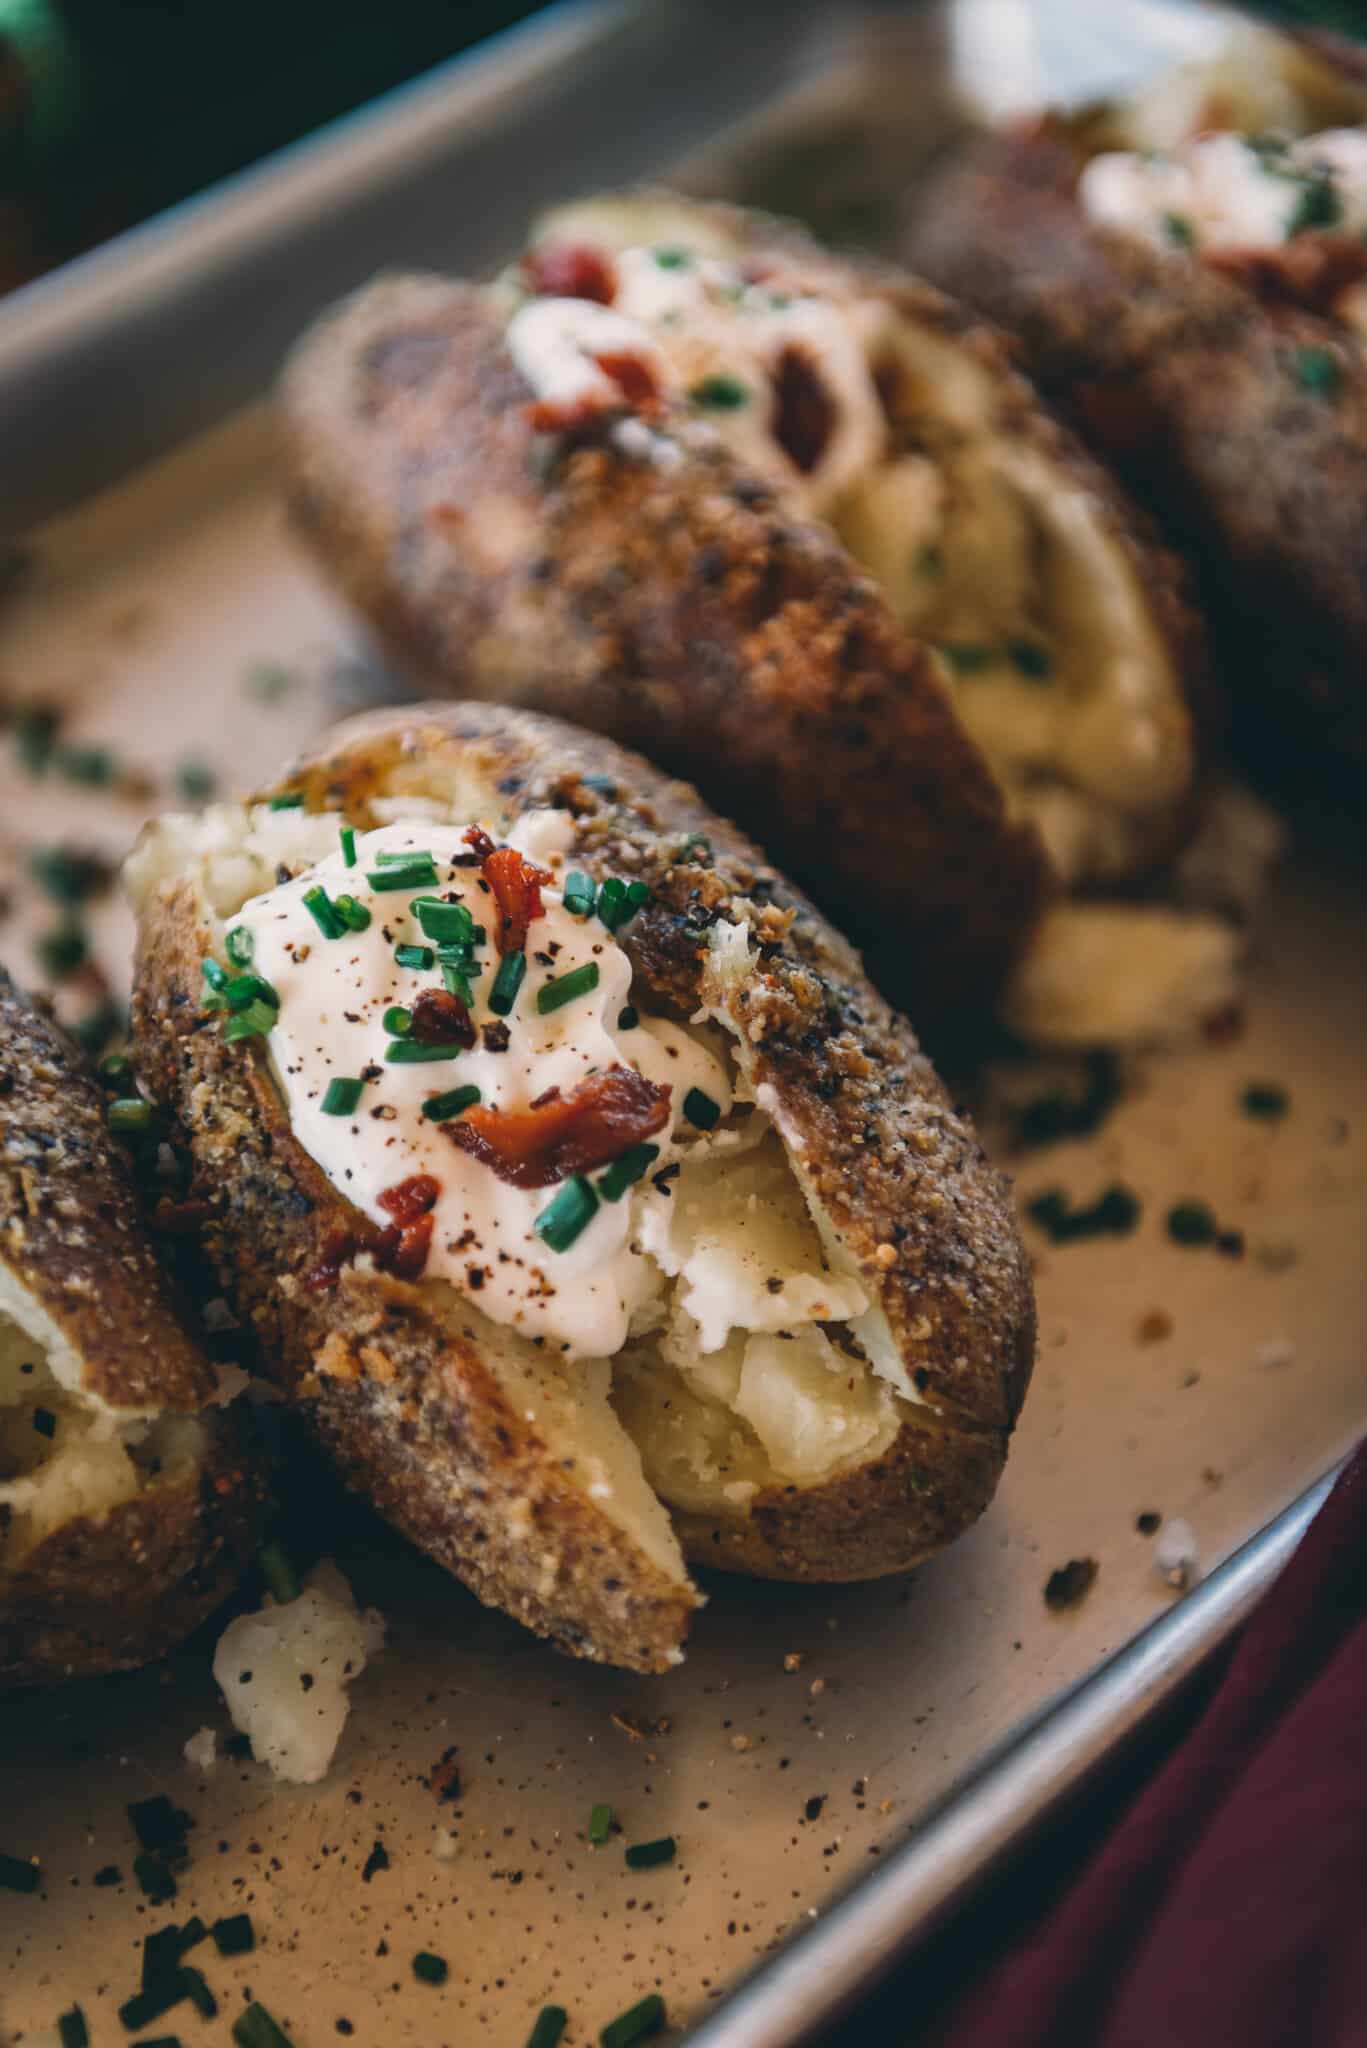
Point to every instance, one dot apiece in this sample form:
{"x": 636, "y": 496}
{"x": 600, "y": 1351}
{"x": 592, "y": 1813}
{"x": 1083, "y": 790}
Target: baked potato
{"x": 1187, "y": 276}
{"x": 591, "y": 1203}
{"x": 126, "y": 1506}
{"x": 793, "y": 526}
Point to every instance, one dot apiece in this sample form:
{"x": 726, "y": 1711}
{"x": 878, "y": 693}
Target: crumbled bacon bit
{"x": 441, "y": 1018}
{"x": 1310, "y": 270}
{"x": 516, "y": 887}
{"x": 478, "y": 840}
{"x": 409, "y": 1199}
{"x": 339, "y": 1248}
{"x": 804, "y": 411}
{"x": 564, "y": 1134}
{"x": 632, "y": 375}
{"x": 571, "y": 270}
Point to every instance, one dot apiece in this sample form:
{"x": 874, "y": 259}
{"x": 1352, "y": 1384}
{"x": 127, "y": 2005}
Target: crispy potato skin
{"x": 104, "y": 1593}
{"x": 1187, "y": 383}
{"x": 399, "y": 1392}
{"x": 682, "y": 613}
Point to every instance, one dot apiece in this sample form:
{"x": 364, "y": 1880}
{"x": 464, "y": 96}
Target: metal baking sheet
{"x": 904, "y": 1731}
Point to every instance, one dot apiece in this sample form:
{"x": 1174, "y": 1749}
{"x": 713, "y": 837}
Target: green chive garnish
{"x": 354, "y": 915}
{"x": 720, "y": 393}
{"x": 562, "y": 1219}
{"x": 129, "y": 1116}
{"x": 18, "y": 1876}
{"x": 626, "y": 1170}
{"x": 416, "y": 873}
{"x": 702, "y": 1112}
{"x": 403, "y": 1052}
{"x": 93, "y": 766}
{"x": 341, "y": 1096}
{"x": 214, "y": 974}
{"x": 1317, "y": 370}
{"x": 636, "y": 2024}
{"x": 254, "y": 1022}
{"x": 1264, "y": 1099}
{"x": 449, "y": 921}
{"x": 45, "y": 1422}
{"x": 421, "y": 957}
{"x": 430, "y": 1969}
{"x": 1031, "y": 659}
{"x": 149, "y": 2005}
{"x": 1178, "y": 230}
{"x": 456, "y": 981}
{"x": 268, "y": 681}
{"x": 198, "y": 1992}
{"x": 580, "y": 894}
{"x": 551, "y": 2023}
{"x": 672, "y": 259}
{"x": 511, "y": 970}
{"x": 1191, "y": 1223}
{"x": 63, "y": 951}
{"x": 438, "y": 1108}
{"x": 72, "y": 2030}
{"x": 566, "y": 988}
{"x": 397, "y": 1021}
{"x": 235, "y": 1935}
{"x": 618, "y": 902}
{"x": 348, "y": 838}
{"x": 278, "y": 1573}
{"x": 65, "y": 876}
{"x": 965, "y": 657}
{"x": 255, "y": 2028}
{"x": 929, "y": 559}
{"x": 600, "y": 1823}
{"x": 646, "y": 1855}
{"x": 240, "y": 946}
{"x": 291, "y": 801}
{"x": 402, "y": 856}
{"x": 196, "y": 781}
{"x": 155, "y": 1882}
{"x": 628, "y": 1019}
{"x": 116, "y": 1071}
{"x": 324, "y": 912}
{"x": 250, "y": 988}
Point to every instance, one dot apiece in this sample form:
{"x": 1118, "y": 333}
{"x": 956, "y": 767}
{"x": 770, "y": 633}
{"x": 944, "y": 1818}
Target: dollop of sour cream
{"x": 709, "y": 335}
{"x": 334, "y": 994}
{"x": 1226, "y": 191}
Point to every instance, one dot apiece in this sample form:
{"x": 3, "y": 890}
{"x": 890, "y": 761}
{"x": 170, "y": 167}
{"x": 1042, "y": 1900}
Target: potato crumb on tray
{"x": 284, "y": 1672}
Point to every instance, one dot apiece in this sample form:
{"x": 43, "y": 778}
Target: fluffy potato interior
{"x": 984, "y": 547}
{"x": 756, "y": 1361}
{"x": 65, "y": 1454}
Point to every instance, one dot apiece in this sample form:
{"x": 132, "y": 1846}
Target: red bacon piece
{"x": 564, "y": 1134}
{"x": 516, "y": 886}
{"x": 571, "y": 270}
{"x": 441, "y": 1018}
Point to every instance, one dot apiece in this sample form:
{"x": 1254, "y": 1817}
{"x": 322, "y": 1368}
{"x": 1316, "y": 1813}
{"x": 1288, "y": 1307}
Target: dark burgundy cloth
{"x": 1228, "y": 1908}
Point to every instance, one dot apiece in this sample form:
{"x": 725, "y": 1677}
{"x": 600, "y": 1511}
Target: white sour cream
{"x": 333, "y": 997}
{"x": 1219, "y": 192}
{"x": 711, "y": 337}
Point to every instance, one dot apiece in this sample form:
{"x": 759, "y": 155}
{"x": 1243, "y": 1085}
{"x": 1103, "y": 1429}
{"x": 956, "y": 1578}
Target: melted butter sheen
{"x": 333, "y": 997}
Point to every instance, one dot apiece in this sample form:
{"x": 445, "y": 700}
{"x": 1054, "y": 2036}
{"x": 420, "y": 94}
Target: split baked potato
{"x": 1187, "y": 276}
{"x": 581, "y": 1189}
{"x": 126, "y": 1507}
{"x": 795, "y": 527}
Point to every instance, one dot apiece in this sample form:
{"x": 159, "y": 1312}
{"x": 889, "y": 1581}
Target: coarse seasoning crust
{"x": 393, "y": 1372}
{"x": 105, "y": 1591}
{"x": 1194, "y": 389}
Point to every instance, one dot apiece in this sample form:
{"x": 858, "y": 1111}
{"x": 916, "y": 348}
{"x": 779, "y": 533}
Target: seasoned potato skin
{"x": 401, "y": 1396}
{"x": 104, "y": 1593}
{"x": 1188, "y": 384}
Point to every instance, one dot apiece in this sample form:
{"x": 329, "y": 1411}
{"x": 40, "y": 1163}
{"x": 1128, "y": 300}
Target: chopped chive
{"x": 240, "y": 946}
{"x": 1317, "y": 370}
{"x": 618, "y": 902}
{"x": 278, "y": 1573}
{"x": 129, "y": 1116}
{"x": 511, "y": 970}
{"x": 637, "y": 2023}
{"x": 148, "y": 2005}
{"x": 563, "y": 1218}
{"x": 625, "y": 1171}
{"x": 192, "y": 1933}
{"x": 95, "y": 1029}
{"x": 403, "y": 1052}
{"x": 235, "y": 1935}
{"x": 65, "y": 876}
{"x": 268, "y": 681}
{"x": 198, "y": 1992}
{"x": 158, "y": 1824}
{"x": 580, "y": 894}
{"x": 196, "y": 781}
{"x": 214, "y": 974}
{"x": 16, "y": 1875}
{"x": 341, "y": 1095}
{"x": 35, "y": 736}
{"x": 929, "y": 559}
{"x": 419, "y": 873}
{"x": 254, "y": 1022}
{"x": 702, "y": 1112}
{"x": 324, "y": 912}
{"x": 438, "y": 1108}
{"x": 72, "y": 2031}
{"x": 600, "y": 1823}
{"x": 1191, "y": 1223}
{"x": 421, "y": 957}
{"x": 1179, "y": 231}
{"x": 401, "y": 856}
{"x": 292, "y": 800}
{"x": 551, "y": 2023}
{"x": 1319, "y": 205}
{"x": 116, "y": 1070}
{"x": 456, "y": 981}
{"x": 354, "y": 915}
{"x": 966, "y": 657}
{"x": 566, "y": 988}
{"x": 1264, "y": 1099}
{"x": 647, "y": 1855}
{"x": 397, "y": 1021}
{"x": 160, "y": 1956}
{"x": 94, "y": 766}
{"x": 61, "y": 952}
{"x": 161, "y": 2041}
{"x": 720, "y": 393}
{"x": 347, "y": 835}
{"x": 244, "y": 989}
{"x": 430, "y": 1969}
{"x": 442, "y": 920}
{"x": 628, "y": 1018}
{"x": 673, "y": 259}
{"x": 255, "y": 2028}
{"x": 45, "y": 1422}
{"x": 1031, "y": 659}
